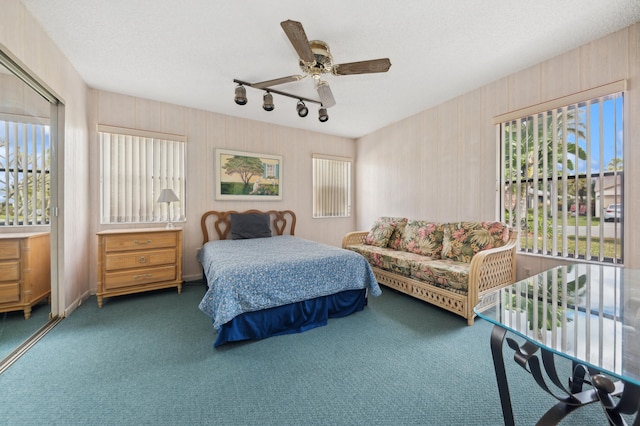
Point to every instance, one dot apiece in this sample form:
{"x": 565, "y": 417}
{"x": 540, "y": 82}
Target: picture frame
{"x": 243, "y": 175}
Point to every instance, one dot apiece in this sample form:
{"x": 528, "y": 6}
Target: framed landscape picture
{"x": 247, "y": 176}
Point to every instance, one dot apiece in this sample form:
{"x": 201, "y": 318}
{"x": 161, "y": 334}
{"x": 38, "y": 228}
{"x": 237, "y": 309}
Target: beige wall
{"x": 206, "y": 131}
{"x": 23, "y": 39}
{"x": 441, "y": 163}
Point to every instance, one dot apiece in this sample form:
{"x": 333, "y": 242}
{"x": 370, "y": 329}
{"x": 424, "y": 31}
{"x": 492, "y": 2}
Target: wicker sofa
{"x": 449, "y": 265}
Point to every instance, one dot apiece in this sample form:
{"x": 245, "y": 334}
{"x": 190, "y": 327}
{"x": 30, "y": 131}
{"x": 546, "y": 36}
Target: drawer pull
{"x": 142, "y": 259}
{"x": 141, "y": 242}
{"x": 135, "y": 277}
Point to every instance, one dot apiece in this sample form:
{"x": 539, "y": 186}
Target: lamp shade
{"x": 167, "y": 196}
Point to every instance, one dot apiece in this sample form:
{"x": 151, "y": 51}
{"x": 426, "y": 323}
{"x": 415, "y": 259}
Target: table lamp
{"x": 168, "y": 196}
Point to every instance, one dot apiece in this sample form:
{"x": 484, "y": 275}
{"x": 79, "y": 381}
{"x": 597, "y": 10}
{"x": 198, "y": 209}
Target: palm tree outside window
{"x": 561, "y": 169}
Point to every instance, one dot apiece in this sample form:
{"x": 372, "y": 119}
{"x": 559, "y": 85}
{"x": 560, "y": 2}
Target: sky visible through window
{"x": 23, "y": 140}
{"x": 612, "y": 132}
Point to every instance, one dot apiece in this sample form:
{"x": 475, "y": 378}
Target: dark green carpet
{"x": 14, "y": 329}
{"x": 148, "y": 359}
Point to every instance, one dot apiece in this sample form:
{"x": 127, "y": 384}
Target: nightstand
{"x": 138, "y": 260}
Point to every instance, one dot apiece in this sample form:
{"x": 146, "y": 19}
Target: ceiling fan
{"x": 315, "y": 60}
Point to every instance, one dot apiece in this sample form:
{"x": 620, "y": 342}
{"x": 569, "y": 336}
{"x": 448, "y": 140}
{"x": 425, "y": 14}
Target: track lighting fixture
{"x": 241, "y": 95}
{"x": 267, "y": 102}
{"x": 322, "y": 114}
{"x": 302, "y": 109}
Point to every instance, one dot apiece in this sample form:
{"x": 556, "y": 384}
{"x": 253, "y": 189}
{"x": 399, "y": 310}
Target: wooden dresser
{"x": 25, "y": 271}
{"x": 138, "y": 260}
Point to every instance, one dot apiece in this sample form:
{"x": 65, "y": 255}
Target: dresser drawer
{"x": 10, "y": 270}
{"x": 147, "y": 258}
{"x": 9, "y": 293}
{"x": 9, "y": 249}
{"x": 139, "y": 241}
{"x": 136, "y": 277}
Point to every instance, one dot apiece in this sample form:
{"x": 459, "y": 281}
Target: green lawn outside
{"x": 610, "y": 249}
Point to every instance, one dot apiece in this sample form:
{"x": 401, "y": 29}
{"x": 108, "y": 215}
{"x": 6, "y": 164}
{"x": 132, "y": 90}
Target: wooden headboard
{"x": 221, "y": 222}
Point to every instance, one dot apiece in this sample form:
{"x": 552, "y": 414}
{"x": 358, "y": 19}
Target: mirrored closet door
{"x": 27, "y": 123}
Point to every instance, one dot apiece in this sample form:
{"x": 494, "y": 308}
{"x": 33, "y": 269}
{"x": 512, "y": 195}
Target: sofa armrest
{"x": 492, "y": 268}
{"x": 354, "y": 238}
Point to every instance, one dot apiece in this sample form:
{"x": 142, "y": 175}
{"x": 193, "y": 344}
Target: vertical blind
{"x": 561, "y": 168}
{"x": 331, "y": 186}
{"x": 25, "y": 159}
{"x": 135, "y": 167}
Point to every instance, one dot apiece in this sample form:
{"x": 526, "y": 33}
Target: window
{"x": 331, "y": 186}
{"x": 135, "y": 167}
{"x": 25, "y": 181}
{"x": 562, "y": 168}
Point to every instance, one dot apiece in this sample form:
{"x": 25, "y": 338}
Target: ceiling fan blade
{"x": 326, "y": 97}
{"x": 362, "y": 67}
{"x": 298, "y": 38}
{"x": 276, "y": 81}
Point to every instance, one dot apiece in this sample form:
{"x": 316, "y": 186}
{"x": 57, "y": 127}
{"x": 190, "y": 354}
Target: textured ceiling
{"x": 188, "y": 52}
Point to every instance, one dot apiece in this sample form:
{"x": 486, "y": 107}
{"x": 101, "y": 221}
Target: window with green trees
{"x": 563, "y": 178}
{"x": 25, "y": 181}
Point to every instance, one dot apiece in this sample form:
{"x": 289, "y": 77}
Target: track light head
{"x": 322, "y": 114}
{"x": 241, "y": 95}
{"x": 302, "y": 109}
{"x": 267, "y": 102}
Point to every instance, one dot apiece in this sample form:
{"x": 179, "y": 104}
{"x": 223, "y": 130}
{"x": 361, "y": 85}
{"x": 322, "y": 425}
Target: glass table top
{"x": 586, "y": 313}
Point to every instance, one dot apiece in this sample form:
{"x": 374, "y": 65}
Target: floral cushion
{"x": 445, "y": 274}
{"x": 380, "y": 233}
{"x": 398, "y": 233}
{"x": 385, "y": 258}
{"x": 422, "y": 237}
{"x": 462, "y": 240}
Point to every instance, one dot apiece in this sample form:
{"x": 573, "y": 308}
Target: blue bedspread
{"x": 255, "y": 274}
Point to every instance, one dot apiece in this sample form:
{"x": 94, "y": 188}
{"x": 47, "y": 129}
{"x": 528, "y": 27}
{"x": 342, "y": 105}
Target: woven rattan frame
{"x": 489, "y": 270}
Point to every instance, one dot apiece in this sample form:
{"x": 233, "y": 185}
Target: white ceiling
{"x": 188, "y": 52}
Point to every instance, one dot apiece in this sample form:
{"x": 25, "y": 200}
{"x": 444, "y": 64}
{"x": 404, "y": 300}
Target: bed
{"x": 263, "y": 281}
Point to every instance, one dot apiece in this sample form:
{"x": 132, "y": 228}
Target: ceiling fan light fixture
{"x": 241, "y": 95}
{"x": 302, "y": 109}
{"x": 315, "y": 60}
{"x": 267, "y": 102}
{"x": 322, "y": 114}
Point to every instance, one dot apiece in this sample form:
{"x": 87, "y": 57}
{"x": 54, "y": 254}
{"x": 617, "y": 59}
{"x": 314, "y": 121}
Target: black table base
{"x": 616, "y": 398}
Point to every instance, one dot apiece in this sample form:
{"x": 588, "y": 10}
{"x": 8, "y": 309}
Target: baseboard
{"x": 73, "y": 306}
{"x": 195, "y": 277}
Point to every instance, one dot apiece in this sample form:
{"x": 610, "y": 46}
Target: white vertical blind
{"x": 561, "y": 169}
{"x": 331, "y": 186}
{"x": 135, "y": 167}
{"x": 24, "y": 171}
